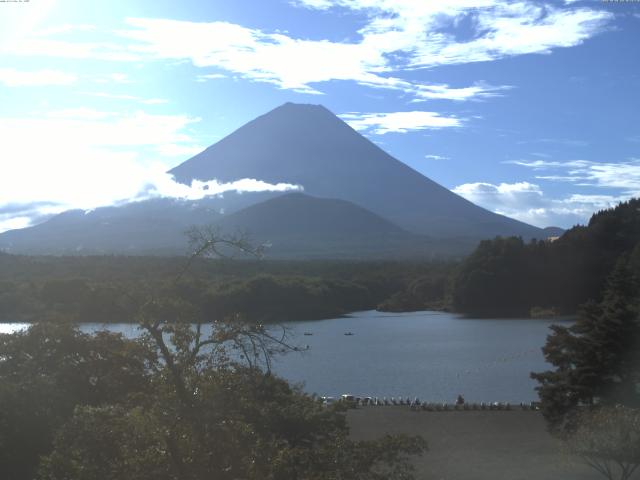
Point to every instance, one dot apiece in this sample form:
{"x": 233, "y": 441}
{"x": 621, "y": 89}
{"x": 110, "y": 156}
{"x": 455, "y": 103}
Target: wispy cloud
{"x": 157, "y": 184}
{"x": 436, "y": 157}
{"x": 164, "y": 185}
{"x": 514, "y": 194}
{"x": 624, "y": 175}
{"x": 398, "y": 36}
{"x": 569, "y": 142}
{"x": 210, "y": 76}
{"x": 422, "y": 92}
{"x": 527, "y": 202}
{"x": 399, "y": 122}
{"x": 501, "y": 28}
{"x": 10, "y": 77}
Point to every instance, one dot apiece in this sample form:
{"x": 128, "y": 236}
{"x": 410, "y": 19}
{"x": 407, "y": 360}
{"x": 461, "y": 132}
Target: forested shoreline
{"x": 108, "y": 289}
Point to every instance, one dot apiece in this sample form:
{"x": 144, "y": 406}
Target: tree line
{"x": 99, "y": 289}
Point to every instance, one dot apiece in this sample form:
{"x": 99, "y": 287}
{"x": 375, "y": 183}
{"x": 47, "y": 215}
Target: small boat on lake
{"x": 308, "y": 333}
{"x": 348, "y": 333}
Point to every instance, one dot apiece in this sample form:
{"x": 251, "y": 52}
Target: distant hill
{"x": 300, "y": 225}
{"x": 291, "y": 226}
{"x": 149, "y": 227}
{"x": 309, "y": 146}
{"x": 309, "y": 216}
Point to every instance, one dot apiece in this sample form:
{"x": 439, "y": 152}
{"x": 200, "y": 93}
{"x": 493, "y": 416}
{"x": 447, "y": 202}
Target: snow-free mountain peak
{"x": 307, "y": 145}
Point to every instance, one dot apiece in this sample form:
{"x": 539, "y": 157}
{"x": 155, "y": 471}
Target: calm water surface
{"x": 432, "y": 355}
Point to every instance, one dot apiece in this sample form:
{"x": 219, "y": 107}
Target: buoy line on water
{"x": 418, "y": 405}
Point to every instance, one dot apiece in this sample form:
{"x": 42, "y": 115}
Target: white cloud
{"x": 11, "y": 77}
{"x": 210, "y": 76}
{"x": 399, "y": 122}
{"x": 527, "y": 202}
{"x": 8, "y": 222}
{"x": 163, "y": 185}
{"x": 85, "y": 158}
{"x": 423, "y": 92}
{"x": 153, "y": 183}
{"x": 501, "y": 28}
{"x": 515, "y": 194}
{"x": 623, "y": 175}
{"x": 444, "y": 92}
{"x": 399, "y": 35}
{"x": 436, "y": 157}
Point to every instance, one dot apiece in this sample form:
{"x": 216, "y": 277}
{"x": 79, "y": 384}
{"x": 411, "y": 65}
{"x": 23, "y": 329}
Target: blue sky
{"x": 527, "y": 108}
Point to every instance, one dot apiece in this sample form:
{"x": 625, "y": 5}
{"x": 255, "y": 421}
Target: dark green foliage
{"x": 269, "y": 298}
{"x": 490, "y": 280}
{"x": 104, "y": 289}
{"x": 424, "y": 293}
{"x": 45, "y": 373}
{"x": 506, "y": 276}
{"x": 597, "y": 359}
{"x": 249, "y": 427}
{"x": 94, "y": 407}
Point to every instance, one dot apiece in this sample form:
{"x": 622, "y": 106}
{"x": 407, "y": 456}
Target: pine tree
{"x": 597, "y": 358}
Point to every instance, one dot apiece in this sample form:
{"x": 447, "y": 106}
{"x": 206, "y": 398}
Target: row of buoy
{"x": 416, "y": 404}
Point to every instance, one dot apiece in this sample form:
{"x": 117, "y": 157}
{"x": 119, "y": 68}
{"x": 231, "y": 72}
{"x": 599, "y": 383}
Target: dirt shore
{"x": 475, "y": 445}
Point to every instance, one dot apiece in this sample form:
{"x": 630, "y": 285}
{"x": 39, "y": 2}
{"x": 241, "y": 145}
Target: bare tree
{"x": 608, "y": 440}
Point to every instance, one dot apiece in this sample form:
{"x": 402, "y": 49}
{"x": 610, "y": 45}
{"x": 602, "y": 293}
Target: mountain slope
{"x": 307, "y": 145}
{"x": 292, "y": 226}
{"x": 149, "y": 227}
{"x": 298, "y": 225}
{"x": 303, "y": 215}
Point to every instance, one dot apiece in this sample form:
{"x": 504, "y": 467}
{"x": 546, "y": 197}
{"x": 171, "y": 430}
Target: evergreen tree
{"x": 597, "y": 358}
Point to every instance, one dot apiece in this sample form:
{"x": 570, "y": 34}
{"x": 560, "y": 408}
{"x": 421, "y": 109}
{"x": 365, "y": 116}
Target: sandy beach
{"x": 476, "y": 445}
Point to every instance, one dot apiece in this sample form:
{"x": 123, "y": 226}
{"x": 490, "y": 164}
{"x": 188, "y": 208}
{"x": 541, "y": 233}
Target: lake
{"x": 432, "y": 355}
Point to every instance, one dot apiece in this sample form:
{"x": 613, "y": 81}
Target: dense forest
{"x": 507, "y": 276}
{"x": 109, "y": 288}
